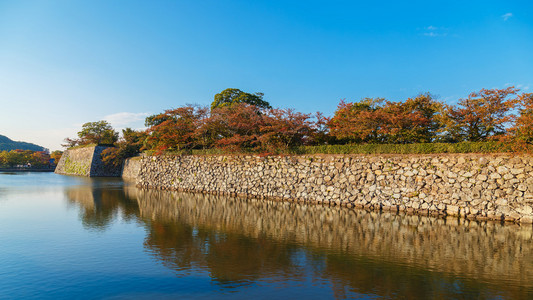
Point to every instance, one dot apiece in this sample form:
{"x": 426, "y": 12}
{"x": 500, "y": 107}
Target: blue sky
{"x": 64, "y": 63}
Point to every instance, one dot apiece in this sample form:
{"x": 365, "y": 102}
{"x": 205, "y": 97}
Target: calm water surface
{"x": 70, "y": 237}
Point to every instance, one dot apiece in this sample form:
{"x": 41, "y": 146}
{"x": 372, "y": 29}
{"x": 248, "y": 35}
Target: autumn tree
{"x": 320, "y": 131}
{"x": 56, "y": 156}
{"x": 4, "y": 159}
{"x": 176, "y": 129}
{"x": 31, "y": 158}
{"x": 70, "y": 142}
{"x": 16, "y": 157}
{"x": 285, "y": 128}
{"x": 357, "y": 122}
{"x": 156, "y": 119}
{"x": 128, "y": 145}
{"x": 482, "y": 115}
{"x": 411, "y": 121}
{"x": 235, "y": 127}
{"x": 39, "y": 159}
{"x": 230, "y": 96}
{"x": 380, "y": 121}
{"x": 522, "y": 131}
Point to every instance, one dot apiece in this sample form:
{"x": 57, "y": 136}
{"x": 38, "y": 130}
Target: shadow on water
{"x": 240, "y": 242}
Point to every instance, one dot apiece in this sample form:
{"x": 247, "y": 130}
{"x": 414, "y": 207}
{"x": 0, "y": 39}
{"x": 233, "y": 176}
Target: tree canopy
{"x": 100, "y": 132}
{"x": 239, "y": 121}
{"x": 482, "y": 115}
{"x": 230, "y": 96}
{"x": 376, "y": 120}
{"x": 35, "y": 159}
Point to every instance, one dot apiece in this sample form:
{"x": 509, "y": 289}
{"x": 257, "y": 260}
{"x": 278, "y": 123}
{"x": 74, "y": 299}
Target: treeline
{"x": 488, "y": 115}
{"x": 28, "y": 159}
{"x": 482, "y": 116}
{"x": 240, "y": 121}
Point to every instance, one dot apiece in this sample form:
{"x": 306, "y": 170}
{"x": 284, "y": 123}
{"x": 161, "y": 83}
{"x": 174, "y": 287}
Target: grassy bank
{"x": 425, "y": 148}
{"x": 422, "y": 148}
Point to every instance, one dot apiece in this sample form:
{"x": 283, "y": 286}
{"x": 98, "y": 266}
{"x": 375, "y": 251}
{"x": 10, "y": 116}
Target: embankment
{"x": 474, "y": 186}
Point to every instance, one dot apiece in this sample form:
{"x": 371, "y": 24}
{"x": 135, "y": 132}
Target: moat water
{"x": 67, "y": 237}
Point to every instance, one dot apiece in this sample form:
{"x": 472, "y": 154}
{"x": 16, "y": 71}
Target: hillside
{"x": 6, "y": 144}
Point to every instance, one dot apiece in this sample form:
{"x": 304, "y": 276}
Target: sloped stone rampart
{"x": 131, "y": 168}
{"x": 498, "y": 187}
{"x": 85, "y": 161}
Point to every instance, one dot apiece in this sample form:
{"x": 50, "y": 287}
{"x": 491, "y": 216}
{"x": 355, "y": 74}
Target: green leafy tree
{"x": 100, "y": 132}
{"x": 229, "y": 97}
{"x": 156, "y": 119}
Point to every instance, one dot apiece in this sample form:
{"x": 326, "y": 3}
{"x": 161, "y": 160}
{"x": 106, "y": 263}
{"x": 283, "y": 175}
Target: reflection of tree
{"x": 176, "y": 246}
{"x": 230, "y": 258}
{"x": 236, "y": 258}
{"x": 99, "y": 205}
{"x": 366, "y": 276}
{"x": 356, "y": 251}
{"x": 242, "y": 241}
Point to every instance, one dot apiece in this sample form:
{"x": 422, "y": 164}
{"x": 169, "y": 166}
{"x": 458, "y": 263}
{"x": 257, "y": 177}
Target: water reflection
{"x": 101, "y": 204}
{"x": 245, "y": 241}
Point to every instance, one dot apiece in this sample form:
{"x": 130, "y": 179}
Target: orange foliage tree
{"x": 129, "y": 145}
{"x": 380, "y": 121}
{"x": 357, "y": 122}
{"x": 522, "y": 131}
{"x": 178, "y": 128}
{"x": 35, "y": 159}
{"x": 238, "y": 125}
{"x": 235, "y": 127}
{"x": 56, "y": 156}
{"x": 285, "y": 128}
{"x": 412, "y": 121}
{"x": 482, "y": 115}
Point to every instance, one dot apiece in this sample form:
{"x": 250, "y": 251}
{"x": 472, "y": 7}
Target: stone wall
{"x": 76, "y": 162}
{"x": 85, "y": 161}
{"x": 498, "y": 187}
{"x": 131, "y": 168}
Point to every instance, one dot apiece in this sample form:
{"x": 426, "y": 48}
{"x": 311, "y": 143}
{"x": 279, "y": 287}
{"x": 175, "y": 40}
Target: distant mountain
{"x": 6, "y": 144}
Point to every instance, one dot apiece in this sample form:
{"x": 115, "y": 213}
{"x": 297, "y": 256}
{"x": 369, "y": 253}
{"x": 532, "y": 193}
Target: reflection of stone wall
{"x": 481, "y": 250}
{"x": 82, "y": 195}
{"x": 85, "y": 161}
{"x": 99, "y": 205}
{"x": 472, "y": 186}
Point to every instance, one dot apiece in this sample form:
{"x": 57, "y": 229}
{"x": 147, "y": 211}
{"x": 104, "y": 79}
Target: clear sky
{"x": 64, "y": 63}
